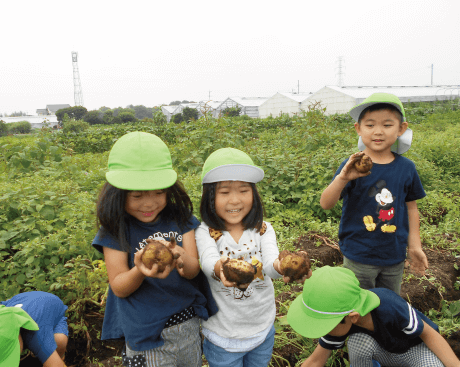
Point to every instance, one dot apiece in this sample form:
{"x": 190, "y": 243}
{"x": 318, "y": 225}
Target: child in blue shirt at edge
{"x": 379, "y": 324}
{"x": 155, "y": 312}
{"x": 380, "y": 219}
{"x": 242, "y": 333}
{"x": 35, "y": 321}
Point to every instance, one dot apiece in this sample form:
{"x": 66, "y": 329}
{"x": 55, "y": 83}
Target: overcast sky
{"x": 154, "y": 52}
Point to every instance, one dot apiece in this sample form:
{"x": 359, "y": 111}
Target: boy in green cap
{"x": 380, "y": 219}
{"x": 379, "y": 324}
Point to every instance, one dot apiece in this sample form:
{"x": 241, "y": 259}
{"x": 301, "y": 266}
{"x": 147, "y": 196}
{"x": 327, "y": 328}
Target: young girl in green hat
{"x": 242, "y": 332}
{"x": 155, "y": 311}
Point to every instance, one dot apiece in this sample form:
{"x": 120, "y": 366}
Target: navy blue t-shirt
{"x": 141, "y": 317}
{"x": 374, "y": 226}
{"x": 48, "y": 311}
{"x": 397, "y": 325}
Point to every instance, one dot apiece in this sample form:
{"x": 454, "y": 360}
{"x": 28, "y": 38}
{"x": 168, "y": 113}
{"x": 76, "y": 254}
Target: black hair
{"x": 379, "y": 107}
{"x": 113, "y": 219}
{"x": 254, "y": 219}
{"x": 343, "y": 320}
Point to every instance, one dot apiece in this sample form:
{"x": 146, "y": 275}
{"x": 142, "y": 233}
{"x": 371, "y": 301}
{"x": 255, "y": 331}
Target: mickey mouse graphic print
{"x": 374, "y": 226}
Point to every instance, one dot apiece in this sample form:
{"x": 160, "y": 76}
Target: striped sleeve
{"x": 331, "y": 343}
{"x": 415, "y": 324}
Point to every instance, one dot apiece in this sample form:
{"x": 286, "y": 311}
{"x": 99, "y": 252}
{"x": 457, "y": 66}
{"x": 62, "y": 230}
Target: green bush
{"x": 74, "y": 126}
{"x": 127, "y": 116}
{"x": 231, "y": 111}
{"x": 3, "y": 128}
{"x": 20, "y": 127}
{"x": 93, "y": 117}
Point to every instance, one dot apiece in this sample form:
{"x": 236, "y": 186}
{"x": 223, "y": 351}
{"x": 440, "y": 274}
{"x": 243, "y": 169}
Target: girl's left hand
{"x": 286, "y": 279}
{"x": 153, "y": 272}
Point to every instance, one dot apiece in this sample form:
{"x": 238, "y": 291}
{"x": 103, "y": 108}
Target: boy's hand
{"x": 349, "y": 172}
{"x": 418, "y": 261}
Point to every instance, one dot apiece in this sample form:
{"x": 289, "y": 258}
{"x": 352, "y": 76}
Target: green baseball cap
{"x": 140, "y": 161}
{"x": 12, "y": 319}
{"x": 230, "y": 164}
{"x": 375, "y": 99}
{"x": 330, "y": 294}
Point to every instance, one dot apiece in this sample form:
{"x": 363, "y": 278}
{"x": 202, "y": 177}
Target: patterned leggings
{"x": 182, "y": 348}
{"x": 362, "y": 349}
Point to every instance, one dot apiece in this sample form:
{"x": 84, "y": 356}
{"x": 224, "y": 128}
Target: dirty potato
{"x": 157, "y": 253}
{"x": 238, "y": 271}
{"x": 364, "y": 164}
{"x": 294, "y": 265}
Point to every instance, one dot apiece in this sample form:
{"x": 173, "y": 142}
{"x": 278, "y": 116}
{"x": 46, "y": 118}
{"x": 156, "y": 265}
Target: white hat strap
{"x": 327, "y": 313}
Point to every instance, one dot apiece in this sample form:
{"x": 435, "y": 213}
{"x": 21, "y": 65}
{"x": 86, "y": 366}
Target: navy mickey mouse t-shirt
{"x": 374, "y": 226}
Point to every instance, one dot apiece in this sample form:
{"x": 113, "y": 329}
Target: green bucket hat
{"x": 330, "y": 294}
{"x": 12, "y": 319}
{"x": 229, "y": 164}
{"x": 140, "y": 161}
{"x": 375, "y": 99}
{"x": 404, "y": 142}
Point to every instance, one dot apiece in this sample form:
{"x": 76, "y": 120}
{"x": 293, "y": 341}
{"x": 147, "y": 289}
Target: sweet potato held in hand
{"x": 238, "y": 271}
{"x": 294, "y": 265}
{"x": 157, "y": 253}
{"x": 364, "y": 164}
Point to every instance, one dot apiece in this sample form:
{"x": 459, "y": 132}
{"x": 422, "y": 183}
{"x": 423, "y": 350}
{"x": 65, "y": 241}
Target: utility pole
{"x": 340, "y": 71}
{"x": 78, "y": 94}
{"x": 431, "y": 74}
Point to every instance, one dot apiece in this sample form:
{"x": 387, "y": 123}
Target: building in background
{"x": 341, "y": 99}
{"x": 249, "y": 105}
{"x": 283, "y": 103}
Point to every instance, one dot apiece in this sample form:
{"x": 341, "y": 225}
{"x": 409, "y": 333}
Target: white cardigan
{"x": 241, "y": 314}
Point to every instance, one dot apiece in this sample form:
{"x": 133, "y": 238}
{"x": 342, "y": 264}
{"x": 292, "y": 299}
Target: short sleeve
{"x": 415, "y": 190}
{"x": 104, "y": 239}
{"x": 331, "y": 343}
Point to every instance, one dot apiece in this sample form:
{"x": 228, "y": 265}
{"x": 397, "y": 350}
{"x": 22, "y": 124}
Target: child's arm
{"x": 417, "y": 257}
{"x": 122, "y": 280}
{"x": 318, "y": 358}
{"x": 54, "y": 361}
{"x": 439, "y": 346}
{"x": 187, "y": 264}
{"x": 331, "y": 194}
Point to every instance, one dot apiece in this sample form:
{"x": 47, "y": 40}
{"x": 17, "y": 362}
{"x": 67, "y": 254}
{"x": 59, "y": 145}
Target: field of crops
{"x": 49, "y": 182}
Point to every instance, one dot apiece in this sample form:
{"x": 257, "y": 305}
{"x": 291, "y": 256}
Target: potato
{"x": 238, "y": 271}
{"x": 364, "y": 164}
{"x": 157, "y": 253}
{"x": 294, "y": 265}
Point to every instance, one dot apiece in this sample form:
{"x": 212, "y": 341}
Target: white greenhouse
{"x": 283, "y": 103}
{"x": 341, "y": 99}
{"x": 168, "y": 111}
{"x": 249, "y": 105}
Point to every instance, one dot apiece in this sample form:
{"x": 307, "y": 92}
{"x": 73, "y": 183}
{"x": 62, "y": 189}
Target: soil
{"x": 424, "y": 293}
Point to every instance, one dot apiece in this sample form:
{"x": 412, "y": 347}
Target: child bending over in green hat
{"x": 380, "y": 219}
{"x": 379, "y": 324}
{"x": 36, "y": 321}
